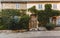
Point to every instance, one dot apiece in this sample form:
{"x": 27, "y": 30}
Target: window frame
{"x": 54, "y": 6}
{"x": 40, "y": 6}
{"x": 17, "y": 5}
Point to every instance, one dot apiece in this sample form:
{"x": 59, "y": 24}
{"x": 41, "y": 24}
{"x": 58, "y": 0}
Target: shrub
{"x": 3, "y": 27}
{"x": 50, "y": 26}
{"x": 7, "y": 19}
{"x": 24, "y": 22}
{"x": 14, "y": 23}
{"x": 10, "y": 12}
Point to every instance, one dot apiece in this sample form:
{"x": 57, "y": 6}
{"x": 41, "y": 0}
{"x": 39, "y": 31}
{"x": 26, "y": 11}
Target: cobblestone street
{"x": 33, "y": 34}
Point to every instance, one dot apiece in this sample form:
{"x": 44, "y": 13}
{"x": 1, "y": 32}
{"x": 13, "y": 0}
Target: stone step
{"x": 57, "y": 29}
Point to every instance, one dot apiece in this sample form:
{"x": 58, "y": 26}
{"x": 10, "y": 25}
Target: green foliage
{"x": 14, "y": 23}
{"x": 2, "y": 27}
{"x": 50, "y": 26}
{"x": 33, "y": 10}
{"x": 24, "y": 22}
{"x": 7, "y": 18}
{"x": 22, "y": 12}
{"x": 44, "y": 15}
{"x": 4, "y": 23}
{"x": 10, "y": 12}
{"x": 48, "y": 7}
{"x": 55, "y": 13}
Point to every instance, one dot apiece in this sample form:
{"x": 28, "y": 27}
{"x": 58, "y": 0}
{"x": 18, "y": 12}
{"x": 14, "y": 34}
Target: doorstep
{"x": 57, "y": 29}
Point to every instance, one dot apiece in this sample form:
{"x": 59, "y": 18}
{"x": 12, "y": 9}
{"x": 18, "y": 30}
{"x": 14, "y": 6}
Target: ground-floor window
{"x": 58, "y": 21}
{"x": 55, "y": 20}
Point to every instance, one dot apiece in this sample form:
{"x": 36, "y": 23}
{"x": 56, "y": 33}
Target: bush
{"x": 24, "y": 22}
{"x": 7, "y": 19}
{"x": 10, "y": 12}
{"x": 3, "y": 27}
{"x": 14, "y": 23}
{"x": 50, "y": 26}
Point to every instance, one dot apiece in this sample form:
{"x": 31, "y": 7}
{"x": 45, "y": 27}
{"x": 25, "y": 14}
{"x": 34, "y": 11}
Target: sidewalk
{"x": 32, "y": 34}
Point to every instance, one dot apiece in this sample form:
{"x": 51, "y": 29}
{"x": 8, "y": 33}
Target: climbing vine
{"x": 44, "y": 15}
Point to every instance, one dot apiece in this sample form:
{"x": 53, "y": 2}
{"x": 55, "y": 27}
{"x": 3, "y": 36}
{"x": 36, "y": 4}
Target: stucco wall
{"x": 29, "y": 5}
{"x": 13, "y": 6}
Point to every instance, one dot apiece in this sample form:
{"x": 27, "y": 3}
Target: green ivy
{"x": 33, "y": 10}
{"x": 44, "y": 15}
{"x": 24, "y": 22}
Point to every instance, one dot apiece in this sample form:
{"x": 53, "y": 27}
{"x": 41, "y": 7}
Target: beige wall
{"x": 29, "y": 5}
{"x": 13, "y": 6}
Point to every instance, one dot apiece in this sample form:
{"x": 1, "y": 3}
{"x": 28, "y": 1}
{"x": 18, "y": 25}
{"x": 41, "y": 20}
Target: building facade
{"x": 26, "y": 4}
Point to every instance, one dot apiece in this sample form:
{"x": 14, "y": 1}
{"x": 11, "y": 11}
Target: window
{"x": 54, "y": 6}
{"x": 1, "y": 5}
{"x": 58, "y": 21}
{"x": 40, "y": 6}
{"x": 17, "y": 5}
